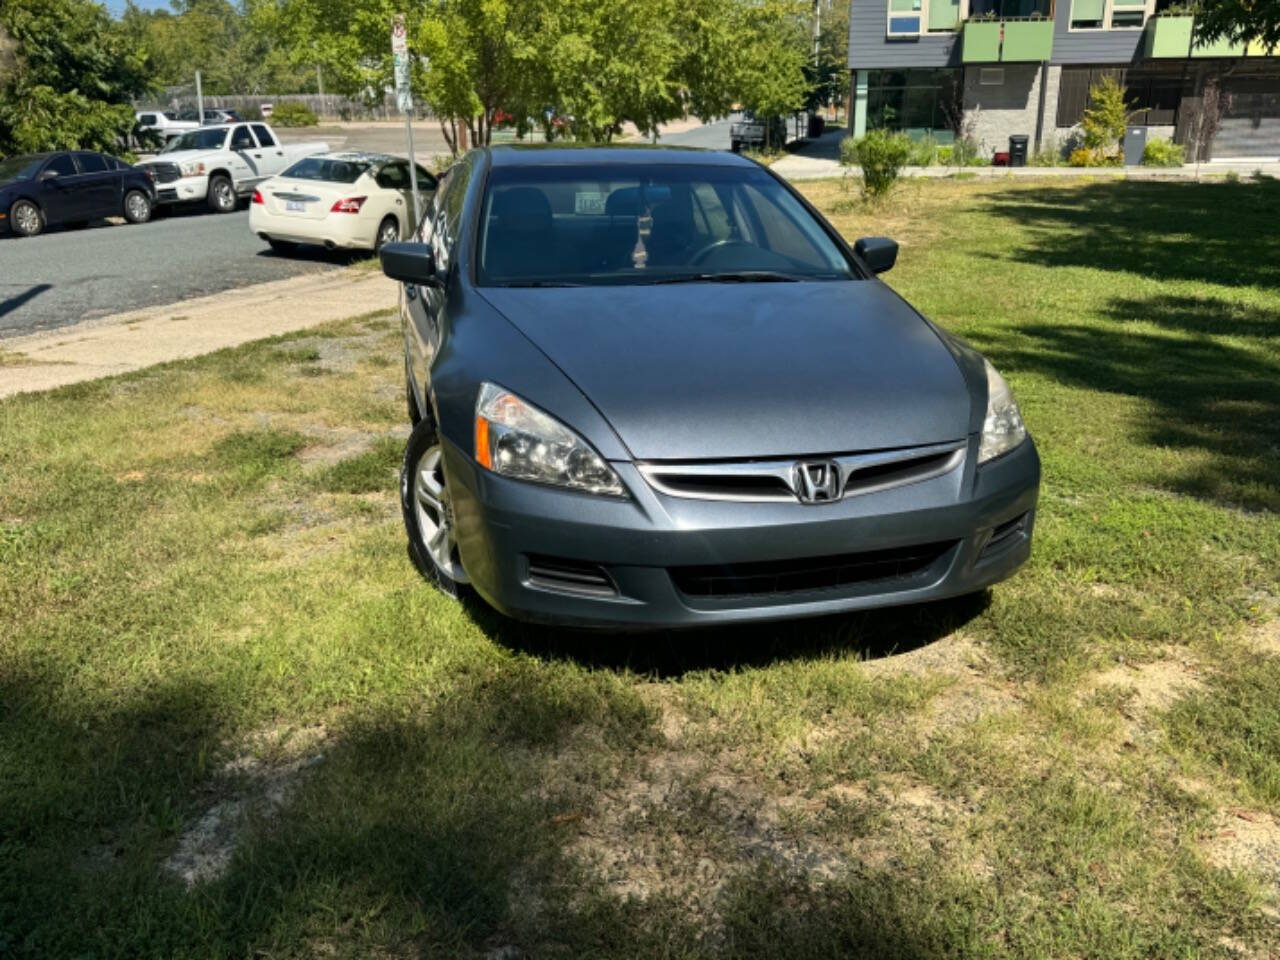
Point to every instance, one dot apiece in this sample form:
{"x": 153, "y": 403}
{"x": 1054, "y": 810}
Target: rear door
{"x": 101, "y": 184}
{"x": 271, "y": 154}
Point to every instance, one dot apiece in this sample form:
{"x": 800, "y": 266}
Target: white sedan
{"x": 349, "y": 201}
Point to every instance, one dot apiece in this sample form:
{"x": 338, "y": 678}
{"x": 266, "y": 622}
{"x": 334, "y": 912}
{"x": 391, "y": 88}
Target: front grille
{"x": 760, "y": 481}
{"x": 570, "y": 576}
{"x": 807, "y": 574}
{"x": 163, "y": 172}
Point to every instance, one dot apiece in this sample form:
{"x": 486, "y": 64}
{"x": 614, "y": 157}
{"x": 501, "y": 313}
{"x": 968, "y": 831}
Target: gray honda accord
{"x": 655, "y": 388}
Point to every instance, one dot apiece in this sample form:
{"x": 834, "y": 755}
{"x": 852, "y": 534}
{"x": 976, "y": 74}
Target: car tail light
{"x": 349, "y": 205}
{"x": 257, "y": 197}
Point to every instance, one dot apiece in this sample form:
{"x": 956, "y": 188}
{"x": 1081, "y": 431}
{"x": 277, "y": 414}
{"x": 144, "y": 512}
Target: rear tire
{"x": 222, "y": 195}
{"x": 282, "y": 247}
{"x": 26, "y": 219}
{"x": 137, "y": 207}
{"x": 428, "y": 514}
{"x": 388, "y": 232}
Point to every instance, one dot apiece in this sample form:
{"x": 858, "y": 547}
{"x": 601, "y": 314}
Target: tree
{"x": 775, "y": 49}
{"x": 1244, "y": 21}
{"x": 69, "y": 79}
{"x": 1106, "y": 116}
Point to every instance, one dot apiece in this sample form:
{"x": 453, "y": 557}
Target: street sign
{"x": 399, "y": 35}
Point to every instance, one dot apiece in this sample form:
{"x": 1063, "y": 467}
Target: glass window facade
{"x": 919, "y": 102}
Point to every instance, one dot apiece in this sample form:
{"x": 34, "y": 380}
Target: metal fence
{"x": 328, "y": 106}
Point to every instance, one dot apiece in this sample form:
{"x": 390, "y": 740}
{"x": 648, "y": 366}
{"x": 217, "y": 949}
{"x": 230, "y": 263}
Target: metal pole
{"x": 413, "y": 171}
{"x": 199, "y": 99}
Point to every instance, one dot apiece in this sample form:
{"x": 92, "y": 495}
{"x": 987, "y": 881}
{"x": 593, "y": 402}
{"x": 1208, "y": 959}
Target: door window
{"x": 394, "y": 176}
{"x": 242, "y": 140}
{"x": 147, "y": 119}
{"x": 62, "y": 165}
{"x": 264, "y": 135}
{"x": 92, "y": 162}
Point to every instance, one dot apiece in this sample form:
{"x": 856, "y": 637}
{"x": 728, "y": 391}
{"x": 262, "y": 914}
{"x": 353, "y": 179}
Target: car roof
{"x": 540, "y": 155}
{"x": 358, "y": 156}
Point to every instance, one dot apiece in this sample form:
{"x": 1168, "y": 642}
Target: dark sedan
{"x": 656, "y": 388}
{"x": 71, "y": 187}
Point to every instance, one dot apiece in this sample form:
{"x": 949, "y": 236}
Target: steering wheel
{"x": 715, "y": 245}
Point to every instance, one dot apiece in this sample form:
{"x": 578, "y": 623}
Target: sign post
{"x": 404, "y": 103}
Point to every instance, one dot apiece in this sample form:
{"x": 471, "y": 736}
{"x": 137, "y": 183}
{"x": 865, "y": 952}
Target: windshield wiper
{"x": 537, "y": 283}
{"x": 735, "y": 276}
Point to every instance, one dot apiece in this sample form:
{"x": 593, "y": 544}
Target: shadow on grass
{"x": 433, "y": 832}
{"x": 673, "y": 653}
{"x": 1220, "y": 233}
{"x": 1213, "y": 382}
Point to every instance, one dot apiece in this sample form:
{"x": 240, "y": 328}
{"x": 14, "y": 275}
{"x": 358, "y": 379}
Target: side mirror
{"x": 413, "y": 263}
{"x": 878, "y": 253}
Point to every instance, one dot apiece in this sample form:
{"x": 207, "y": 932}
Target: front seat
{"x": 520, "y": 240}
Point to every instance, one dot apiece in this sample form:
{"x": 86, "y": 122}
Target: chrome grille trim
{"x": 285, "y": 195}
{"x": 775, "y": 481}
{"x": 163, "y": 172}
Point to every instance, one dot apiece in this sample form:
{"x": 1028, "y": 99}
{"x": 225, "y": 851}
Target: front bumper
{"x": 977, "y": 525}
{"x": 183, "y": 190}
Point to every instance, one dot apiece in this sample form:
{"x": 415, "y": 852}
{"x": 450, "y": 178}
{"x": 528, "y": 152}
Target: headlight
{"x": 1003, "y": 428}
{"x": 192, "y": 168}
{"x": 516, "y": 439}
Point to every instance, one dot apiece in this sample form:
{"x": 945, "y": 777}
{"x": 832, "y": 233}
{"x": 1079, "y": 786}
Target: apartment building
{"x": 994, "y": 68}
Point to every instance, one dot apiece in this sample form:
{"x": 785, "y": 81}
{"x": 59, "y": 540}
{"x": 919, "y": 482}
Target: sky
{"x": 116, "y": 7}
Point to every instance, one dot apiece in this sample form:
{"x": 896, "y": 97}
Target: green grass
{"x": 206, "y": 611}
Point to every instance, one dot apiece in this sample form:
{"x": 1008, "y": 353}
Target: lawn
{"x": 234, "y": 722}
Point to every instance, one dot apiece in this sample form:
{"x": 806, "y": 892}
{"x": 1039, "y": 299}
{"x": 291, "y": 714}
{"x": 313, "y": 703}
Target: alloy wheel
{"x": 223, "y": 195}
{"x": 26, "y": 218}
{"x": 390, "y": 233}
{"x": 435, "y": 515}
{"x": 136, "y": 206}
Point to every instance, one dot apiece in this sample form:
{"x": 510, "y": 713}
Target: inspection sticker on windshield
{"x": 588, "y": 202}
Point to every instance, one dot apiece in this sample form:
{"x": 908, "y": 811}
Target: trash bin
{"x": 816, "y": 125}
{"x": 1018, "y": 150}
{"x": 1135, "y": 145}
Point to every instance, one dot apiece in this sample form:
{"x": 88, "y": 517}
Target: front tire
{"x": 222, "y": 195}
{"x": 428, "y": 512}
{"x": 137, "y": 207}
{"x": 26, "y": 219}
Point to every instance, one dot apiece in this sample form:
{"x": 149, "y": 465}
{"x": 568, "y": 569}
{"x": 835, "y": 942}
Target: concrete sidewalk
{"x": 799, "y": 166}
{"x": 130, "y": 341}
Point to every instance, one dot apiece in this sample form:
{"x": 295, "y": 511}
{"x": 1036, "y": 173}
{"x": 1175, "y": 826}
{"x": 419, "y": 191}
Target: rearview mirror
{"x": 413, "y": 263}
{"x": 878, "y": 253}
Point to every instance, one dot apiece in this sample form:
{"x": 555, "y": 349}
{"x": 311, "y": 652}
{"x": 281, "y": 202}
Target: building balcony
{"x": 1169, "y": 36}
{"x": 1008, "y": 40}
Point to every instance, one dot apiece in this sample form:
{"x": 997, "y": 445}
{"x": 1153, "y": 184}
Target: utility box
{"x": 1018, "y": 150}
{"x": 1135, "y": 145}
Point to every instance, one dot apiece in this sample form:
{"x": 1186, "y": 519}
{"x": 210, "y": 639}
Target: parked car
{"x": 656, "y": 388}
{"x": 214, "y": 115}
{"x": 221, "y": 164}
{"x": 162, "y": 124}
{"x": 749, "y": 132}
{"x": 339, "y": 200}
{"x": 70, "y": 187}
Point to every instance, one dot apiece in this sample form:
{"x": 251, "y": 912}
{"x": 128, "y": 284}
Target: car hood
{"x": 183, "y": 156}
{"x": 723, "y": 371}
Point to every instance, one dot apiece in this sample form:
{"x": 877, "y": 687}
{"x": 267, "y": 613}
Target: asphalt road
{"x": 66, "y": 276}
{"x": 712, "y": 136}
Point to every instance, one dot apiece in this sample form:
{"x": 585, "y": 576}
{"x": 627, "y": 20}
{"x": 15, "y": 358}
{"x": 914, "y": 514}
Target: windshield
{"x": 19, "y": 168}
{"x": 327, "y": 169}
{"x": 197, "y": 140}
{"x": 623, "y": 224}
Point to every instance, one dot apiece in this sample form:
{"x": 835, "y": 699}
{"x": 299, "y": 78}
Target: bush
{"x": 252, "y": 114}
{"x": 882, "y": 154}
{"x": 1106, "y": 116}
{"x": 1049, "y": 155}
{"x": 944, "y": 156}
{"x": 848, "y": 152}
{"x": 293, "y": 114}
{"x": 1162, "y": 153}
{"x": 924, "y": 152}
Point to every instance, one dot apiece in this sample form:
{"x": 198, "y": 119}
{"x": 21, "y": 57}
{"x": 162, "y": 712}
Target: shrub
{"x": 1083, "y": 157}
{"x": 848, "y": 152}
{"x": 293, "y": 114}
{"x": 1105, "y": 117}
{"x": 882, "y": 154}
{"x": 252, "y": 114}
{"x": 924, "y": 152}
{"x": 1049, "y": 155}
{"x": 1162, "y": 153}
{"x": 944, "y": 156}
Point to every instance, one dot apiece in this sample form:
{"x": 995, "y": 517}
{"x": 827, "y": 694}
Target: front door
{"x": 246, "y": 158}
{"x": 59, "y": 197}
{"x": 101, "y": 185}
{"x": 270, "y": 154}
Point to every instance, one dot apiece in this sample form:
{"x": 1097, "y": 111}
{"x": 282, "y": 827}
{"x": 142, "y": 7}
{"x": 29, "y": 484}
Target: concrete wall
{"x": 997, "y": 111}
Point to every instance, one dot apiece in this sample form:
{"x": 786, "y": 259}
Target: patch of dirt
{"x": 1248, "y": 841}
{"x": 1154, "y": 686}
{"x": 1264, "y": 638}
{"x": 336, "y": 354}
{"x": 255, "y": 783}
